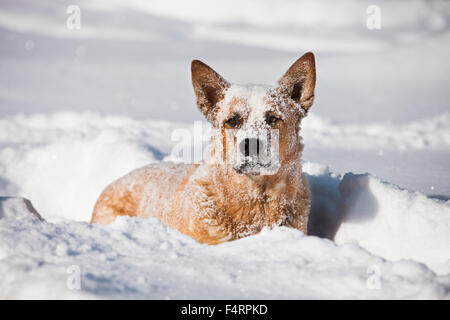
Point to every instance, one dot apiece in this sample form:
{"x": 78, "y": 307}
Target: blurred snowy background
{"x": 81, "y": 107}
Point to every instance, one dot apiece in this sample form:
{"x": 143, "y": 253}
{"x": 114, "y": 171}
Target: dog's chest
{"x": 240, "y": 214}
{"x": 227, "y": 208}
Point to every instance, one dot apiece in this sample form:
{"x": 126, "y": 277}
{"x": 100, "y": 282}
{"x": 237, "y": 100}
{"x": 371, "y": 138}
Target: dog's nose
{"x": 250, "y": 147}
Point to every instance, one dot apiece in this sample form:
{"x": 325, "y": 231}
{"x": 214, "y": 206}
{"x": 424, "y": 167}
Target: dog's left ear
{"x": 209, "y": 88}
{"x": 300, "y": 80}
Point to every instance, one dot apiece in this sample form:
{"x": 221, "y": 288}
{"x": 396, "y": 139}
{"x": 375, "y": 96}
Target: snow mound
{"x": 395, "y": 223}
{"x": 134, "y": 258}
{"x": 381, "y": 217}
{"x": 17, "y": 208}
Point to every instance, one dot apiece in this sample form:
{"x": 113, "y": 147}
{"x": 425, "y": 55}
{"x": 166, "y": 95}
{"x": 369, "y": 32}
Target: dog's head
{"x": 257, "y": 126}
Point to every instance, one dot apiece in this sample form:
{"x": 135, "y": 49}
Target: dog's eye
{"x": 272, "y": 120}
{"x": 233, "y": 122}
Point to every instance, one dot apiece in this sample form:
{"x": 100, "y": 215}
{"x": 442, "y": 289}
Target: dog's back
{"x": 146, "y": 192}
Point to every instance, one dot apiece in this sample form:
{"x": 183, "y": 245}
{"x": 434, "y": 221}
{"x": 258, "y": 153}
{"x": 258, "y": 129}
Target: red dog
{"x": 217, "y": 200}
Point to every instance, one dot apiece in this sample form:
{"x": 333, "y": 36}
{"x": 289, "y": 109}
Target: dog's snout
{"x": 250, "y": 147}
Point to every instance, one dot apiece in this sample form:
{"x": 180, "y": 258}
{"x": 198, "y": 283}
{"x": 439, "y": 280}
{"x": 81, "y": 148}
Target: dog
{"x": 238, "y": 189}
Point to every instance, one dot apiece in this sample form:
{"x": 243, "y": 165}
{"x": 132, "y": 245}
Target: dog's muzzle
{"x": 255, "y": 156}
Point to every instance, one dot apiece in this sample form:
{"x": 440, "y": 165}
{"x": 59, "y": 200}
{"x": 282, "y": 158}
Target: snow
{"x": 134, "y": 258}
{"x": 79, "y": 109}
{"x": 424, "y": 134}
{"x": 388, "y": 221}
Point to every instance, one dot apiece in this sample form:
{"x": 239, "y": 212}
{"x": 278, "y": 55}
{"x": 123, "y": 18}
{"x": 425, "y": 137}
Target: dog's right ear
{"x": 209, "y": 88}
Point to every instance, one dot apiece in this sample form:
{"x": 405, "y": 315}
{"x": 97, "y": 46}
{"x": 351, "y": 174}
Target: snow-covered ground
{"x": 79, "y": 108}
{"x": 134, "y": 258}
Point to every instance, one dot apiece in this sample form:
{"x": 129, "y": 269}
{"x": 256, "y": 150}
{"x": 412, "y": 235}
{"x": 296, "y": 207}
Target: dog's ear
{"x": 299, "y": 81}
{"x": 209, "y": 87}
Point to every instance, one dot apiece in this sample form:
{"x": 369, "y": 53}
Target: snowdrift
{"x": 135, "y": 258}
{"x": 389, "y": 221}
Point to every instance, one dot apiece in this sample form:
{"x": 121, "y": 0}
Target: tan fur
{"x": 208, "y": 201}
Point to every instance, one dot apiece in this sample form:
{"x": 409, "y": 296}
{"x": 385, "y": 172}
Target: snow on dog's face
{"x": 257, "y": 126}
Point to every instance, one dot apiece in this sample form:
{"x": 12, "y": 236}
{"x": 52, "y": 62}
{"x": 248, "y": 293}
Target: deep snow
{"x": 135, "y": 258}
{"x": 80, "y": 108}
